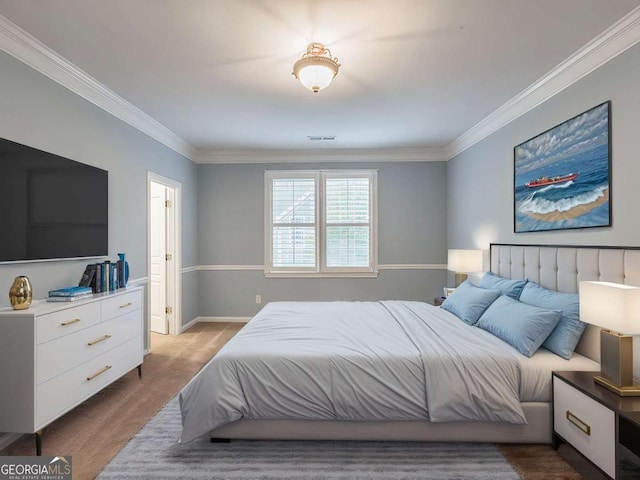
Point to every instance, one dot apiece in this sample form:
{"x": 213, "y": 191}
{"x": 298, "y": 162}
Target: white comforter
{"x": 363, "y": 361}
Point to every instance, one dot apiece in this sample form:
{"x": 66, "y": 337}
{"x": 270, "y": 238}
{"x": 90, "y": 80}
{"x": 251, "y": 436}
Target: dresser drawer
{"x": 64, "y": 322}
{"x": 585, "y": 424}
{"x": 64, "y": 353}
{"x": 121, "y": 304}
{"x": 62, "y": 393}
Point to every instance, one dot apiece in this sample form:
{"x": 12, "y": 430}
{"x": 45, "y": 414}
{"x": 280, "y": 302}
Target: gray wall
{"x": 480, "y": 180}
{"x": 40, "y": 113}
{"x": 411, "y": 230}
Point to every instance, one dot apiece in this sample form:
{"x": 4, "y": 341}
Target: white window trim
{"x": 321, "y": 271}
{"x": 268, "y": 216}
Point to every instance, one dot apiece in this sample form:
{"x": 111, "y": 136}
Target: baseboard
{"x": 7, "y": 439}
{"x": 188, "y": 325}
{"x": 224, "y": 319}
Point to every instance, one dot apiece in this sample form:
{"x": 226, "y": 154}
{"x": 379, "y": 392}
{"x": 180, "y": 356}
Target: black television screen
{"x": 52, "y": 207}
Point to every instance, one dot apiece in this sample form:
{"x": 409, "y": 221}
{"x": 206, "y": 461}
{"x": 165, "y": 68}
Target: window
{"x": 321, "y": 223}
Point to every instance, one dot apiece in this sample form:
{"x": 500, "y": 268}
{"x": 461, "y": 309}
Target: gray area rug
{"x": 154, "y": 454}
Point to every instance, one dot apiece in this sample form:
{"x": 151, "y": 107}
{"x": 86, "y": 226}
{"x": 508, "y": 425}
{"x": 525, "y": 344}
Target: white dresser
{"x": 55, "y": 355}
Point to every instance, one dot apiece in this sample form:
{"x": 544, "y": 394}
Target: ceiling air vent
{"x": 321, "y": 137}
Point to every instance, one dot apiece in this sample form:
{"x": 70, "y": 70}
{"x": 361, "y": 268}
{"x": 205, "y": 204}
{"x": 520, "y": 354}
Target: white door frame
{"x": 176, "y": 301}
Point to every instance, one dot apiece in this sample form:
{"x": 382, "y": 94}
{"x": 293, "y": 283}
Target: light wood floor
{"x": 96, "y": 430}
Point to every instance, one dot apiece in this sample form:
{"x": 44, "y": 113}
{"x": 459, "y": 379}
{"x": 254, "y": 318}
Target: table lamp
{"x": 464, "y": 261}
{"x": 615, "y": 308}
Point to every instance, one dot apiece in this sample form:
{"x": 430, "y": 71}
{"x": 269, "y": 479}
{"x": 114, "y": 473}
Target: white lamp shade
{"x": 465, "y": 261}
{"x": 316, "y": 77}
{"x": 612, "y": 306}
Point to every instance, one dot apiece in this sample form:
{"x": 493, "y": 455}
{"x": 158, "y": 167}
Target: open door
{"x": 158, "y": 258}
{"x": 164, "y": 292}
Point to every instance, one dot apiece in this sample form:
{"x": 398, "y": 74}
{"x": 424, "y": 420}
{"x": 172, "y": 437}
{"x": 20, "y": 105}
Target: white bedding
{"x": 535, "y": 383}
{"x": 365, "y": 361}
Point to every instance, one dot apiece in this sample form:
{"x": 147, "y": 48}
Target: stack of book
{"x": 104, "y": 277}
{"x": 69, "y": 294}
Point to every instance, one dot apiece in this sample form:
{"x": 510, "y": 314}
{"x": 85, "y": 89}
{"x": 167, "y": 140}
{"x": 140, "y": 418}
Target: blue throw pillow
{"x": 512, "y": 288}
{"x": 566, "y": 335}
{"x": 522, "y": 326}
{"x": 468, "y": 302}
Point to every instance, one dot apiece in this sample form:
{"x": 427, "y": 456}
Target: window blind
{"x": 347, "y": 222}
{"x": 320, "y": 222}
{"x": 294, "y": 241}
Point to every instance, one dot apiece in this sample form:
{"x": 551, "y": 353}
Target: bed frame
{"x": 555, "y": 267}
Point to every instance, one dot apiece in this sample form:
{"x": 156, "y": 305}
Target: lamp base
{"x": 460, "y": 277}
{"x": 623, "y": 391}
{"x": 616, "y": 363}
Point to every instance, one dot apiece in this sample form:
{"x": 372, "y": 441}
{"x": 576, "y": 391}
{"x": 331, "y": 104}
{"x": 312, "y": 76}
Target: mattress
{"x": 535, "y": 380}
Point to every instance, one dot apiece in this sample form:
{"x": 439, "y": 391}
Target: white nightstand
{"x": 594, "y": 420}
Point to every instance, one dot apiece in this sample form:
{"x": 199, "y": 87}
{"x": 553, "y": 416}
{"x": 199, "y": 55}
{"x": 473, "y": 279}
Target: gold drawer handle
{"x": 100, "y": 372}
{"x": 98, "y": 340}
{"x": 585, "y": 427}
{"x": 126, "y": 305}
{"x": 70, "y": 322}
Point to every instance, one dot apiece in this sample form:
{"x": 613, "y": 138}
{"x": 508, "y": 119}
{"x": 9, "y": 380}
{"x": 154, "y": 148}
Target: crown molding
{"x": 32, "y": 52}
{"x": 621, "y": 36}
{"x": 322, "y": 155}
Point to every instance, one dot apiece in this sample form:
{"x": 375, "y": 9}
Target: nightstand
{"x": 437, "y": 301}
{"x": 602, "y": 426}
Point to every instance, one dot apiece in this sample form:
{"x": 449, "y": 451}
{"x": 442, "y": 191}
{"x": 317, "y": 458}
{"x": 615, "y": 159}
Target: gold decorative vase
{"x": 20, "y": 293}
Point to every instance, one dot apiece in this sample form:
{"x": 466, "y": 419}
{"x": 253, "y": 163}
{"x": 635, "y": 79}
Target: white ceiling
{"x": 415, "y": 73}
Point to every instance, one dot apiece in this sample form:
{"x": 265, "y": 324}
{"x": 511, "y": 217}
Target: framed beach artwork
{"x": 562, "y": 176}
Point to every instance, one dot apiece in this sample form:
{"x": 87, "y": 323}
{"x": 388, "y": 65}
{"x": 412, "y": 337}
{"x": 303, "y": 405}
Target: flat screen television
{"x": 51, "y": 207}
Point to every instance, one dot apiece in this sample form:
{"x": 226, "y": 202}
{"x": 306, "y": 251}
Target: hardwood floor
{"x": 96, "y": 430}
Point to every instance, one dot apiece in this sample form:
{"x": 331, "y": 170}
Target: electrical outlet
{"x": 258, "y": 299}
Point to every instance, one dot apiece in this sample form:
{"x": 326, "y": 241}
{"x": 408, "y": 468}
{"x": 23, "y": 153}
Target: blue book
{"x": 69, "y": 299}
{"x": 69, "y": 291}
{"x": 112, "y": 269}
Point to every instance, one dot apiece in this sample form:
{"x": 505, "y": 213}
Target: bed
{"x": 355, "y": 370}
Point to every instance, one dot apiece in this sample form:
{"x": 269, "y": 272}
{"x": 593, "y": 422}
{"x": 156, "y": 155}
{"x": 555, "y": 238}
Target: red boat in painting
{"x": 544, "y": 181}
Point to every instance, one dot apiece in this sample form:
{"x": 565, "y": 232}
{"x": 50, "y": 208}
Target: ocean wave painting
{"x": 562, "y": 177}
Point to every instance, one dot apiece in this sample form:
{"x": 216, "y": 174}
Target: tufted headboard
{"x": 561, "y": 268}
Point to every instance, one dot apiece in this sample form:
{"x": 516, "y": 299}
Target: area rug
{"x": 154, "y": 454}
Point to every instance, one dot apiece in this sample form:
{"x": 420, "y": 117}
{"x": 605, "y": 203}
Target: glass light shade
{"x": 316, "y": 77}
{"x": 612, "y": 306}
{"x": 464, "y": 261}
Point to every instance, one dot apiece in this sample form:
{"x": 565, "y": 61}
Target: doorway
{"x": 164, "y": 254}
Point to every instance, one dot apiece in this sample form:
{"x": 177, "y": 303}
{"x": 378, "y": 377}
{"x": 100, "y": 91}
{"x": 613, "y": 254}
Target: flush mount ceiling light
{"x": 316, "y": 68}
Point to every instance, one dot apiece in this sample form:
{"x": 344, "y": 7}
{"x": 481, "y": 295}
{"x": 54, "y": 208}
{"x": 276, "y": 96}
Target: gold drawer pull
{"x": 126, "y": 305}
{"x": 100, "y": 372}
{"x": 585, "y": 427}
{"x": 98, "y": 340}
{"x": 70, "y": 322}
